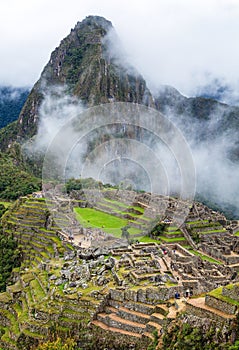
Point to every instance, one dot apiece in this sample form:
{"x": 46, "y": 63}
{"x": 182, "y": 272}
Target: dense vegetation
{"x": 7, "y": 135}
{"x": 11, "y": 103}
{"x": 9, "y": 255}
{"x": 79, "y": 184}
{"x": 182, "y": 336}
{"x": 15, "y": 181}
{"x": 96, "y": 339}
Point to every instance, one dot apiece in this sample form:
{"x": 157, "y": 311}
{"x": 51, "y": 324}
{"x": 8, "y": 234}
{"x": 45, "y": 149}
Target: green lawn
{"x": 171, "y": 240}
{"x": 123, "y": 205}
{"x": 211, "y": 231}
{"x": 217, "y": 293}
{"x": 147, "y": 239}
{"x": 120, "y": 204}
{"x": 89, "y": 217}
{"x": 196, "y": 222}
{"x": 173, "y": 232}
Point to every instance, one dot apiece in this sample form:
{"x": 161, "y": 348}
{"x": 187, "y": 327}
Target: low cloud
{"x": 217, "y": 174}
{"x": 57, "y": 108}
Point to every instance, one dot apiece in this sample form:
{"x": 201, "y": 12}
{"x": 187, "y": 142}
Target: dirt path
{"x": 180, "y": 305}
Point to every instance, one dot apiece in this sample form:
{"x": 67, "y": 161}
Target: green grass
{"x": 212, "y": 231}
{"x": 119, "y": 204}
{"x": 39, "y": 294}
{"x": 147, "y": 239}
{"x": 170, "y": 240}
{"x": 113, "y": 204}
{"x": 141, "y": 210}
{"x": 5, "y": 297}
{"x": 188, "y": 247}
{"x": 196, "y": 222}
{"x": 173, "y": 233}
{"x": 95, "y": 218}
{"x": 146, "y": 218}
{"x": 217, "y": 293}
{"x": 205, "y": 257}
{"x": 172, "y": 228}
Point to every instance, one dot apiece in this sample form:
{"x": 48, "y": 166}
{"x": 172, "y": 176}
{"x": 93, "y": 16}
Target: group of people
{"x": 187, "y": 294}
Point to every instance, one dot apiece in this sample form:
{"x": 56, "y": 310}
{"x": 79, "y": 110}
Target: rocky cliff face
{"x": 85, "y": 63}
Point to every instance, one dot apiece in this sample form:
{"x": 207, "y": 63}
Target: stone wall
{"x": 111, "y": 322}
{"x": 232, "y": 293}
{"x": 147, "y": 295}
{"x": 217, "y": 254}
{"x": 207, "y": 314}
{"x": 219, "y": 304}
{"x": 136, "y": 306}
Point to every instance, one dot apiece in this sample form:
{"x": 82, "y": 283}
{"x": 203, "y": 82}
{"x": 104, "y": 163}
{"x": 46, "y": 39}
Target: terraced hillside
{"x": 204, "y": 227}
{"x": 76, "y": 290}
{"x": 56, "y": 288}
{"x": 27, "y": 221}
{"x": 35, "y": 305}
{"x": 127, "y": 214}
{"x": 114, "y": 209}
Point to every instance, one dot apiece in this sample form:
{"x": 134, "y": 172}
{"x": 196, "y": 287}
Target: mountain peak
{"x": 94, "y": 22}
{"x": 90, "y": 65}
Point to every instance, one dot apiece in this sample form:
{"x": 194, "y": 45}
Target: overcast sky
{"x": 183, "y": 43}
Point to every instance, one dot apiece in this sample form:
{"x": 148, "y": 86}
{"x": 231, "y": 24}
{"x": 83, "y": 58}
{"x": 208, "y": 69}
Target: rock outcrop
{"x": 85, "y": 64}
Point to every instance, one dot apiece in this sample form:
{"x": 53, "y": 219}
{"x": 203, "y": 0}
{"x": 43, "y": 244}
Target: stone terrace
{"x": 219, "y": 306}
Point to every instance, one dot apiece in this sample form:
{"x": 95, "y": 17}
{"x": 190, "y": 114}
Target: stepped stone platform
{"x": 122, "y": 316}
{"x": 224, "y": 299}
{"x": 218, "y": 307}
{"x": 199, "y": 308}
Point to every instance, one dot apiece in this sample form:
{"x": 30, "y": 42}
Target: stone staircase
{"x": 133, "y": 318}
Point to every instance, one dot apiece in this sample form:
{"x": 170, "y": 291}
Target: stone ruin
{"x": 131, "y": 288}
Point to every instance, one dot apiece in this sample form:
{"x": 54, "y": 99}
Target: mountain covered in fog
{"x": 89, "y": 62}
{"x": 12, "y": 100}
{"x": 89, "y": 66}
